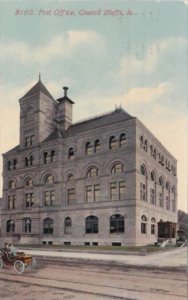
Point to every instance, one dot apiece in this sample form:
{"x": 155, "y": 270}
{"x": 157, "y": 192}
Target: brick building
{"x": 103, "y": 181}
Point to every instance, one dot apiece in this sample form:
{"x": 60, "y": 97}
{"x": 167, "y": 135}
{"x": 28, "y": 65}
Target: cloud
{"x": 146, "y": 94}
{"x": 58, "y": 47}
{"x": 154, "y": 58}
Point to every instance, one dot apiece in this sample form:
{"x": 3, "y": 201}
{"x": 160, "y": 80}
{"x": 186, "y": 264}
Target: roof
{"x": 116, "y": 116}
{"x": 39, "y": 87}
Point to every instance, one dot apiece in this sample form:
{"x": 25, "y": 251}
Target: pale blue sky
{"x": 139, "y": 61}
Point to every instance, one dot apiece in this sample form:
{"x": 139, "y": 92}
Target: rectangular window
{"x": 113, "y": 191}
{"x": 29, "y": 140}
{"x": 71, "y": 196}
{"x": 152, "y": 196}
{"x": 122, "y": 190}
{"x": 143, "y": 228}
{"x": 11, "y": 201}
{"x": 167, "y": 203}
{"x": 97, "y": 192}
{"x": 29, "y": 199}
{"x": 143, "y": 191}
{"x": 161, "y": 200}
{"x": 49, "y": 197}
{"x": 89, "y": 197}
{"x": 152, "y": 228}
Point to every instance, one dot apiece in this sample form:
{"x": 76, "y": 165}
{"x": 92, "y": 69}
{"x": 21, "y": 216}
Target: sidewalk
{"x": 170, "y": 259}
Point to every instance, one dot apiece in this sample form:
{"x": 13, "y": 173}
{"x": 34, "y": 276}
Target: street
{"x": 90, "y": 280}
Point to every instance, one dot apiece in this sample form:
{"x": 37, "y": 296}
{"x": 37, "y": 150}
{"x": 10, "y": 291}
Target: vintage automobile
{"x": 20, "y": 261}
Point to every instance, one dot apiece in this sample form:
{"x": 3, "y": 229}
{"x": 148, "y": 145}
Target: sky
{"x": 128, "y": 53}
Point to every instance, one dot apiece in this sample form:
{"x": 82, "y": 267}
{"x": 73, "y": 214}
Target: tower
{"x": 37, "y": 114}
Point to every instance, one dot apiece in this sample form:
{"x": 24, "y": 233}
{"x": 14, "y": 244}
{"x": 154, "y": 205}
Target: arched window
{"x": 122, "y": 139}
{"x": 10, "y": 226}
{"x": 27, "y": 225}
{"x": 92, "y": 224}
{"x": 70, "y": 178}
{"x": 89, "y": 148}
{"x": 71, "y": 154}
{"x": 117, "y": 168}
{"x": 116, "y": 224}
{"x": 93, "y": 172}
{"x": 49, "y": 179}
{"x": 143, "y": 170}
{"x": 48, "y": 225}
{"x": 97, "y": 145}
{"x": 143, "y": 224}
{"x": 113, "y": 143}
{"x": 68, "y": 225}
{"x": 29, "y": 182}
{"x": 12, "y": 185}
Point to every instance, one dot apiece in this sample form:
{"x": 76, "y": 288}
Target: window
{"x": 96, "y": 192}
{"x": 113, "y": 143}
{"x": 28, "y": 161}
{"x": 143, "y": 192}
{"x": 71, "y": 154}
{"x": 117, "y": 190}
{"x": 153, "y": 221}
{"x": 89, "y": 148}
{"x": 173, "y": 199}
{"x": 11, "y": 201}
{"x": 161, "y": 192}
{"x": 152, "y": 196}
{"x": 68, "y": 225}
{"x": 71, "y": 196}
{"x": 29, "y": 199}
{"x": 49, "y": 179}
{"x": 27, "y": 225}
{"x": 143, "y": 170}
{"x": 93, "y": 172}
{"x": 143, "y": 224}
{"x": 122, "y": 190}
{"x": 48, "y": 225}
{"x": 117, "y": 168}
{"x": 92, "y": 224}
{"x": 29, "y": 182}
{"x": 49, "y": 197}
{"x": 113, "y": 191}
{"x": 71, "y": 178}
{"x": 116, "y": 224}
{"x": 53, "y": 156}
{"x": 10, "y": 226}
{"x": 122, "y": 139}
{"x": 97, "y": 145}
{"x": 29, "y": 140}
{"x": 12, "y": 185}
{"x": 89, "y": 196}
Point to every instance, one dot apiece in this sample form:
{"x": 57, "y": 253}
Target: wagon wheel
{"x": 19, "y": 266}
{"x": 34, "y": 263}
{"x": 1, "y": 263}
